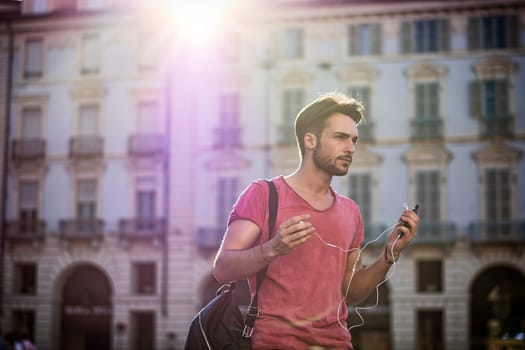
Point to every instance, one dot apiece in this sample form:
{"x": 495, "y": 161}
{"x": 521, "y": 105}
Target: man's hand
{"x": 290, "y": 234}
{"x": 406, "y": 230}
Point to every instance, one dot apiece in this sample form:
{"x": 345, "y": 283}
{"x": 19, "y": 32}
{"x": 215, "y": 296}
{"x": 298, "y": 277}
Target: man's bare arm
{"x": 364, "y": 281}
{"x": 238, "y": 257}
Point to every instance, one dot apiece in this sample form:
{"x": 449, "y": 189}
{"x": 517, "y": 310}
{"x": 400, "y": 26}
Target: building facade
{"x": 128, "y": 139}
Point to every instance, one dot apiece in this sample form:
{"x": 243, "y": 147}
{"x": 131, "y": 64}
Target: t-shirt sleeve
{"x": 251, "y": 204}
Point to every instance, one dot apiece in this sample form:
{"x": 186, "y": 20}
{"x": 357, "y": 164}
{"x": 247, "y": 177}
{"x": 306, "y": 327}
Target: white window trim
{"x": 498, "y": 156}
{"x": 429, "y": 158}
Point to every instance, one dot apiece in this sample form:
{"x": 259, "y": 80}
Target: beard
{"x": 329, "y": 165}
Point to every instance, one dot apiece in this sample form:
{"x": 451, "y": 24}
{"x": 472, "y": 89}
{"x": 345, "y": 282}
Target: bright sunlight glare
{"x": 198, "y": 20}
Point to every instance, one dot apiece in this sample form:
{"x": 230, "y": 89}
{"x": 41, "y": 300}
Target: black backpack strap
{"x": 253, "y": 310}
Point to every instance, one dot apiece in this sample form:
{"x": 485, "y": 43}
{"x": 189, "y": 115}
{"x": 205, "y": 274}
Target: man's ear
{"x": 310, "y": 140}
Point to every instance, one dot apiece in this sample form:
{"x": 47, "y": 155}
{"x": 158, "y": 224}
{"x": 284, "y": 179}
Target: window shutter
{"x": 475, "y": 98}
{"x": 502, "y": 98}
{"x": 433, "y": 99}
{"x": 444, "y": 35}
{"x": 378, "y": 39}
{"x": 473, "y": 33}
{"x": 34, "y": 58}
{"x": 420, "y": 101}
{"x": 352, "y": 40}
{"x": 406, "y": 37}
{"x": 513, "y": 31}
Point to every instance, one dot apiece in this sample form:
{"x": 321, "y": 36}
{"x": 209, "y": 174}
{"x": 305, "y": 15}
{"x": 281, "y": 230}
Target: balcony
{"x": 146, "y": 145}
{"x": 28, "y": 149}
{"x": 509, "y": 232}
{"x": 435, "y": 233}
{"x": 142, "y": 228}
{"x": 426, "y": 128}
{"x": 86, "y": 147}
{"x": 497, "y": 126}
{"x": 18, "y": 230}
{"x": 227, "y": 137}
{"x": 209, "y": 238}
{"x": 81, "y": 229}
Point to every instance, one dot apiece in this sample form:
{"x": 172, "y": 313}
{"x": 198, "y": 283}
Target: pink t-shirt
{"x": 301, "y": 293}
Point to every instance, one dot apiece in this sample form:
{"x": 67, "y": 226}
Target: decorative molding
{"x": 88, "y": 89}
{"x": 426, "y": 70}
{"x": 361, "y": 72}
{"x": 497, "y": 153}
{"x": 296, "y": 78}
{"x": 227, "y": 160}
{"x": 427, "y": 154}
{"x": 495, "y": 66}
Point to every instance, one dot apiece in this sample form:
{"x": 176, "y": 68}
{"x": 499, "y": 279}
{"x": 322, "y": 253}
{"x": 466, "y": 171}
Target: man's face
{"x": 335, "y": 147}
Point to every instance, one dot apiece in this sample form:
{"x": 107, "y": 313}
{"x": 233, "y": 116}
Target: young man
{"x": 313, "y": 255}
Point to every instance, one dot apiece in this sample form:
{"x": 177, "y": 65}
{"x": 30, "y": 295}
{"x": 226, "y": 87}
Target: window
{"x": 34, "y": 58}
{"x": 425, "y": 36}
{"x": 293, "y": 100}
{"x": 361, "y": 193}
{"x": 145, "y": 203}
{"x": 39, "y": 6}
{"x": 493, "y": 32}
{"x": 427, "y": 100}
{"x": 24, "y": 320}
{"x": 90, "y": 54}
{"x": 489, "y": 101}
{"x": 88, "y": 120}
{"x": 293, "y": 43}
{"x": 430, "y": 329}
{"x": 365, "y": 39}
{"x": 142, "y": 330}
{"x": 31, "y": 122}
{"x": 498, "y": 195}
{"x": 429, "y": 276}
{"x": 25, "y": 278}
{"x": 148, "y": 112}
{"x": 427, "y": 123}
{"x": 86, "y": 205}
{"x": 150, "y": 45}
{"x": 366, "y": 128}
{"x": 28, "y": 207}
{"x": 227, "y": 190}
{"x": 428, "y": 195}
{"x": 144, "y": 277}
{"x": 228, "y": 131}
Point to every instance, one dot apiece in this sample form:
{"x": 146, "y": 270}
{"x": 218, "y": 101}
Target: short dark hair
{"x": 312, "y": 117}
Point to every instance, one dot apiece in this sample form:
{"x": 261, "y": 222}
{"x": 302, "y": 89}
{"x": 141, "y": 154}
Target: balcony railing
{"x": 428, "y": 128}
{"x": 209, "y": 238}
{"x": 502, "y": 126}
{"x": 28, "y": 149}
{"x": 497, "y": 232}
{"x": 142, "y": 228}
{"x": 227, "y": 137}
{"x": 146, "y": 145}
{"x": 435, "y": 233}
{"x": 81, "y": 228}
{"x": 86, "y": 147}
{"x": 29, "y": 229}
